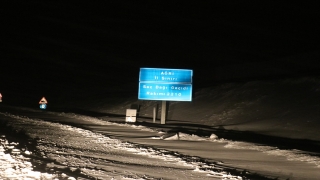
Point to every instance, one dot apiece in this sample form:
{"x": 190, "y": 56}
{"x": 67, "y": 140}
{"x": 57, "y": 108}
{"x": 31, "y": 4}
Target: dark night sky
{"x": 62, "y": 46}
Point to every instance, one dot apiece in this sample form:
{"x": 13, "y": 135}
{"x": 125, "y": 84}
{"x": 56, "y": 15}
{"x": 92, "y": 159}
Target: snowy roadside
{"x": 192, "y": 163}
{"x": 15, "y": 164}
{"x": 78, "y": 152}
{"x": 290, "y": 154}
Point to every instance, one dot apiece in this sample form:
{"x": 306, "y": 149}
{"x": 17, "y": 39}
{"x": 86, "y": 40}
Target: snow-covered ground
{"x": 93, "y": 142}
{"x": 66, "y": 149}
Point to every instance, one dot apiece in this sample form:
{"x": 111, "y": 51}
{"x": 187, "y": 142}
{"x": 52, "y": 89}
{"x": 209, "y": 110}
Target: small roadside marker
{"x": 43, "y": 103}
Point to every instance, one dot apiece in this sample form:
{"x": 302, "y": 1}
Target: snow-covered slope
{"x": 285, "y": 108}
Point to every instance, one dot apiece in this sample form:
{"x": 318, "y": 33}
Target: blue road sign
{"x": 165, "y": 92}
{"x": 161, "y": 75}
{"x": 165, "y": 84}
{"x": 43, "y": 106}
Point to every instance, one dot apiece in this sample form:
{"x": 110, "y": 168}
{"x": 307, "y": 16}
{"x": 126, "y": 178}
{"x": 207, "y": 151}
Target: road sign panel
{"x": 43, "y": 101}
{"x": 165, "y": 84}
{"x": 43, "y": 106}
{"x": 162, "y": 75}
{"x": 165, "y": 92}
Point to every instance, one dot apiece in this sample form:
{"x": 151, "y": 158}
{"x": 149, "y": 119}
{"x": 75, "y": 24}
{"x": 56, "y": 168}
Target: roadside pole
{"x": 163, "y": 112}
{"x": 154, "y": 114}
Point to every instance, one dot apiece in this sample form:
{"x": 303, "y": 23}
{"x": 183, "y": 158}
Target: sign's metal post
{"x": 154, "y": 114}
{"x": 163, "y": 112}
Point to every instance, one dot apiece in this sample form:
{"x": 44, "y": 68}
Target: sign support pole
{"x": 154, "y": 114}
{"x": 163, "y": 112}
